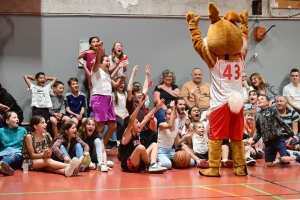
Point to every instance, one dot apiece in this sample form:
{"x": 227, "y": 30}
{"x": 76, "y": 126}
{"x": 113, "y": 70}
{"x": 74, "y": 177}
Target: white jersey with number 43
{"x": 226, "y": 78}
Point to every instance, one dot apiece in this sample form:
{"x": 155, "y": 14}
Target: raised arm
{"x": 130, "y": 83}
{"x": 146, "y": 82}
{"x": 52, "y": 79}
{"x": 127, "y": 133}
{"x": 98, "y": 57}
{"x": 152, "y": 112}
{"x": 169, "y": 125}
{"x": 119, "y": 82}
{"x": 27, "y": 79}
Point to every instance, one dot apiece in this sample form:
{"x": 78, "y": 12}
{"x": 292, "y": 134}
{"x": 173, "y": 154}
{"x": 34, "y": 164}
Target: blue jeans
{"x": 14, "y": 160}
{"x": 166, "y": 155}
{"x": 113, "y": 138}
{"x": 77, "y": 152}
{"x": 160, "y": 116}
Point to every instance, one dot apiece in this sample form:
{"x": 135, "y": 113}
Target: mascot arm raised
{"x": 199, "y": 44}
{"x": 245, "y": 33}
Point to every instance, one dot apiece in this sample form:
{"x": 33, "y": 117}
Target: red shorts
{"x": 224, "y": 124}
{"x": 129, "y": 166}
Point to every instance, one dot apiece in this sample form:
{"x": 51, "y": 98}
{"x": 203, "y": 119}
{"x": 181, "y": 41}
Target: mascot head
{"x": 224, "y": 36}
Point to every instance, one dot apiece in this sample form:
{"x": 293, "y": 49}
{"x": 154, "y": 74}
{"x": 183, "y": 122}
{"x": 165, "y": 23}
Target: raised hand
{"x": 99, "y": 45}
{"x": 135, "y": 70}
{"x": 148, "y": 69}
{"x": 172, "y": 105}
{"x": 123, "y": 76}
{"x": 189, "y": 133}
{"x": 141, "y": 103}
{"x": 192, "y": 20}
{"x": 160, "y": 104}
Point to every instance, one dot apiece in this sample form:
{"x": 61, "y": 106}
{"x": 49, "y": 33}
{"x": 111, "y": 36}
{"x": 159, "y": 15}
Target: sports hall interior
{"x": 41, "y": 35}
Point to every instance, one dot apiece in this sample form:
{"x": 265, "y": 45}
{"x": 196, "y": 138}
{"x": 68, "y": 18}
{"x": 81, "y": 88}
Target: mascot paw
{"x": 241, "y": 170}
{"x": 211, "y": 172}
{"x": 192, "y": 20}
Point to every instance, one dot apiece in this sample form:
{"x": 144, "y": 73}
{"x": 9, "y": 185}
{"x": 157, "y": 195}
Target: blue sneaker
{"x": 297, "y": 156}
{"x": 156, "y": 169}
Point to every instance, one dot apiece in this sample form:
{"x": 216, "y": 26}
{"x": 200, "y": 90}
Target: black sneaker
{"x": 108, "y": 146}
{"x": 250, "y": 161}
{"x": 114, "y": 145}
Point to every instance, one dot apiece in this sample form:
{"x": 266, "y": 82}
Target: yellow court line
{"x": 220, "y": 191}
{"x": 142, "y": 188}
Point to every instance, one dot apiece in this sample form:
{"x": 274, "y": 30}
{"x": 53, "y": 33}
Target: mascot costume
{"x": 224, "y": 50}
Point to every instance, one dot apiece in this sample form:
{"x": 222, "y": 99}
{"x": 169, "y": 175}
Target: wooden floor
{"x": 279, "y": 182}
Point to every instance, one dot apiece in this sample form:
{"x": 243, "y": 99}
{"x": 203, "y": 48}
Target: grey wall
{"x": 50, "y": 44}
{"x": 136, "y": 7}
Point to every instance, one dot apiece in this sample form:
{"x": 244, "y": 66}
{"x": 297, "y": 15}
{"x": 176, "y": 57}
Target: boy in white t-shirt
{"x": 292, "y": 90}
{"x": 40, "y": 102}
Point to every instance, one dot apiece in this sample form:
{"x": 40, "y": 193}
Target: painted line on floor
{"x": 261, "y": 191}
{"x": 220, "y": 191}
{"x": 142, "y": 188}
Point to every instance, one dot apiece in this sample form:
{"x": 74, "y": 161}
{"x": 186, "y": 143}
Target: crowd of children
{"x": 79, "y": 141}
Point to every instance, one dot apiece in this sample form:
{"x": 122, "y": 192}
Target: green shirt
{"x": 11, "y": 137}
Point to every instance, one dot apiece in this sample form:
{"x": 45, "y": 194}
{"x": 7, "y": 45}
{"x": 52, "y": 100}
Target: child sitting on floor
{"x": 87, "y": 132}
{"x": 131, "y": 151}
{"x": 37, "y": 153}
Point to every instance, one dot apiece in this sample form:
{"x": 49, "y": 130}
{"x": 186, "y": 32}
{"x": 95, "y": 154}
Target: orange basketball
{"x": 181, "y": 159}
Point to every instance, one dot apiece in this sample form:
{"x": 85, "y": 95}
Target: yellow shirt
{"x": 203, "y": 92}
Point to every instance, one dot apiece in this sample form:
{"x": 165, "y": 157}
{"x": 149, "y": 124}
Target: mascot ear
{"x": 233, "y": 17}
{"x": 213, "y": 13}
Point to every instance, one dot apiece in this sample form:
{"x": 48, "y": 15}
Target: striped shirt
{"x": 289, "y": 118}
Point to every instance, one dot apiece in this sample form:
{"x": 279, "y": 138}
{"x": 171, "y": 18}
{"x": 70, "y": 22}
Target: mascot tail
{"x": 235, "y": 102}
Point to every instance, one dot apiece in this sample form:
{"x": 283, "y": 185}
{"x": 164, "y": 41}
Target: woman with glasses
{"x": 166, "y": 90}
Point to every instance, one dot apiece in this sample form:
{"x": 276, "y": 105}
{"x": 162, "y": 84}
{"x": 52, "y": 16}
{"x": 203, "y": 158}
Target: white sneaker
{"x": 110, "y": 164}
{"x": 69, "y": 170}
{"x": 6, "y": 169}
{"x": 155, "y": 169}
{"x": 103, "y": 168}
{"x": 80, "y": 163}
{"x": 92, "y": 166}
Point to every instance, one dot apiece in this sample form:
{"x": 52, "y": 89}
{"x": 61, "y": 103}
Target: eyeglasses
{"x": 170, "y": 76}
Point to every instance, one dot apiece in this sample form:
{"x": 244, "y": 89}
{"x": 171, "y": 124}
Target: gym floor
{"x": 279, "y": 182}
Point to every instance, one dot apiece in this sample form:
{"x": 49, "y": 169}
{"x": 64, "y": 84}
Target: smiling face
{"x": 74, "y": 86}
{"x": 71, "y": 132}
{"x": 168, "y": 79}
{"x": 197, "y": 76}
{"x": 255, "y": 81}
{"x": 58, "y": 90}
{"x": 195, "y": 114}
{"x": 41, "y": 80}
{"x": 118, "y": 49}
{"x": 136, "y": 127}
{"x": 41, "y": 127}
{"x": 13, "y": 120}
{"x": 90, "y": 128}
{"x": 263, "y": 102}
{"x": 105, "y": 64}
{"x": 249, "y": 117}
{"x": 281, "y": 103}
